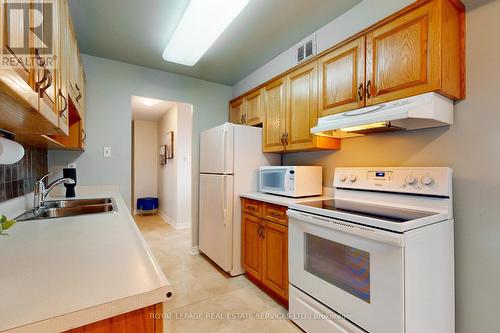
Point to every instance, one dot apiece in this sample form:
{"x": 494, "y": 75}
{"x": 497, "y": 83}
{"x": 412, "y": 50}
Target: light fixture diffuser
{"x": 202, "y": 23}
{"x": 149, "y": 101}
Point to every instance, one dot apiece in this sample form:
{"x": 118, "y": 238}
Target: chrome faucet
{"x": 41, "y": 192}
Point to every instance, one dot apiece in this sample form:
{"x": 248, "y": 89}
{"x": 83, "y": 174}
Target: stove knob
{"x": 352, "y": 178}
{"x": 427, "y": 180}
{"x": 343, "y": 178}
{"x": 410, "y": 180}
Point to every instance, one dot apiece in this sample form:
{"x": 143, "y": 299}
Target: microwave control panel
{"x": 291, "y": 180}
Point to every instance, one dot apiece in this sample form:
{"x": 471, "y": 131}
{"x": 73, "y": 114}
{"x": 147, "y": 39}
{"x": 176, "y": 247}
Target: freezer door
{"x": 216, "y": 150}
{"x": 216, "y": 219}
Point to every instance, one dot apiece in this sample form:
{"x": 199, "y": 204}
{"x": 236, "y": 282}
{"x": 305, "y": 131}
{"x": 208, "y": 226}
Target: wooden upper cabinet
{"x": 254, "y": 108}
{"x": 418, "y": 52}
{"x": 236, "y": 111}
{"x": 251, "y": 245}
{"x": 302, "y": 106}
{"x": 341, "y": 78}
{"x": 274, "y": 126}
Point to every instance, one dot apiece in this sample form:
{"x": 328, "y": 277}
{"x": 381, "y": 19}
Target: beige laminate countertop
{"x": 284, "y": 201}
{"x": 58, "y": 274}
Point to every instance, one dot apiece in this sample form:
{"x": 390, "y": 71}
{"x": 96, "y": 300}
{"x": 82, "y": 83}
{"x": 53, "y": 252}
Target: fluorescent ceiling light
{"x": 202, "y": 23}
{"x": 149, "y": 101}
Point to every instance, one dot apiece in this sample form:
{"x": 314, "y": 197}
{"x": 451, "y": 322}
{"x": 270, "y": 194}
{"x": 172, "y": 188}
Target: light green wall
{"x": 472, "y": 148}
{"x": 110, "y": 86}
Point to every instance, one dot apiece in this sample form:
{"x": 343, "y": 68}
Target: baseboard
{"x": 173, "y": 224}
{"x": 195, "y": 250}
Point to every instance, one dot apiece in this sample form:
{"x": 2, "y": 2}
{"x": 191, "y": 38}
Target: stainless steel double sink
{"x": 67, "y": 208}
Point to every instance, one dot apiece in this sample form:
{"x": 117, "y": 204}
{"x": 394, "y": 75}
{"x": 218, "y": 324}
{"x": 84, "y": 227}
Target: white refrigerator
{"x": 230, "y": 158}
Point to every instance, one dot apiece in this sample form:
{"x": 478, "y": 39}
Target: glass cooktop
{"x": 386, "y": 213}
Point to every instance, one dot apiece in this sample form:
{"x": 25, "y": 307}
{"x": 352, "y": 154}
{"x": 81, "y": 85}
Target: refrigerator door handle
{"x": 224, "y": 152}
{"x": 224, "y": 208}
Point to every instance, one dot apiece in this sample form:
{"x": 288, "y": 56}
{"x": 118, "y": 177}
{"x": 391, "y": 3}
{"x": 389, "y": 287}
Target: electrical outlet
{"x": 107, "y": 152}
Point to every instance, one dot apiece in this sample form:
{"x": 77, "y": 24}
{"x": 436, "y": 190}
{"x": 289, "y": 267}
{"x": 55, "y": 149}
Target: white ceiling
{"x": 137, "y": 32}
{"x": 141, "y": 111}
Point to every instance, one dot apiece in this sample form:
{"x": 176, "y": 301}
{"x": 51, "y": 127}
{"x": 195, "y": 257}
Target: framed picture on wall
{"x": 163, "y": 155}
{"x": 170, "y": 145}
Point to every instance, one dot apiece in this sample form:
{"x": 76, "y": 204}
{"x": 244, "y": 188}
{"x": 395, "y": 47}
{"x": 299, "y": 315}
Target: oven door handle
{"x": 350, "y": 228}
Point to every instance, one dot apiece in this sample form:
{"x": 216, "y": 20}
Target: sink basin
{"x": 77, "y": 202}
{"x": 67, "y": 208}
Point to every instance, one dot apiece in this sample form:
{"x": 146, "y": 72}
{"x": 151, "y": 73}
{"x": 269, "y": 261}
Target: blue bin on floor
{"x": 148, "y": 204}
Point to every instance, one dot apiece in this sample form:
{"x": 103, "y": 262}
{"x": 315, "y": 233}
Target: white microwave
{"x": 291, "y": 181}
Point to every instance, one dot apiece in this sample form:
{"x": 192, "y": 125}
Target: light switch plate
{"x": 106, "y": 152}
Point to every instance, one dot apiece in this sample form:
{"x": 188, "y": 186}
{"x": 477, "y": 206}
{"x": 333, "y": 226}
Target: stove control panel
{"x": 421, "y": 180}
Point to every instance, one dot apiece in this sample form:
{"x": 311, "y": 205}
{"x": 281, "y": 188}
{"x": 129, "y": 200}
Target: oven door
{"x": 355, "y": 270}
{"x": 274, "y": 180}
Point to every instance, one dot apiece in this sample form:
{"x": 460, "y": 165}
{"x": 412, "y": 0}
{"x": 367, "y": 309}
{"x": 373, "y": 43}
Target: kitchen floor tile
{"x": 206, "y": 299}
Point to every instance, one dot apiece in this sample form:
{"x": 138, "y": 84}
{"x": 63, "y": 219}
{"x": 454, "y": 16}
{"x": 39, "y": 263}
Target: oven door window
{"x": 343, "y": 266}
{"x": 273, "y": 179}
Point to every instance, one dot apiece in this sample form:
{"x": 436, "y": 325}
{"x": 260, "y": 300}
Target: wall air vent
{"x": 306, "y": 49}
{"x": 309, "y": 49}
{"x": 300, "y": 53}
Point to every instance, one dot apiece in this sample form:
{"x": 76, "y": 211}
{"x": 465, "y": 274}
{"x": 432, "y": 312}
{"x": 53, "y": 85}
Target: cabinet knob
{"x": 360, "y": 92}
{"x": 369, "y": 89}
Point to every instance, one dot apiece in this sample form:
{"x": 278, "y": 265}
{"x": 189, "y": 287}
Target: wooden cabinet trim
{"x": 145, "y": 320}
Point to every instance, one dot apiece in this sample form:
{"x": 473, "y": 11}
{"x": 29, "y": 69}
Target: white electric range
{"x": 379, "y": 258}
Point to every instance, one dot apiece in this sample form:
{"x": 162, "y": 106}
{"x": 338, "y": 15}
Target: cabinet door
{"x": 275, "y": 262}
{"x": 402, "y": 57}
{"x": 63, "y": 68}
{"x": 254, "y": 108}
{"x": 274, "y": 125}
{"x": 14, "y": 40}
{"x": 236, "y": 112}
{"x": 341, "y": 78}
{"x": 46, "y": 74}
{"x": 301, "y": 111}
{"x": 251, "y": 242}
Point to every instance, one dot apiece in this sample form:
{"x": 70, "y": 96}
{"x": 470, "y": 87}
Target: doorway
{"x": 161, "y": 158}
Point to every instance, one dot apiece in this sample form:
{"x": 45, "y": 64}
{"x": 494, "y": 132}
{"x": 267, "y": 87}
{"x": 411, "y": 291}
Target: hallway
{"x": 205, "y": 298}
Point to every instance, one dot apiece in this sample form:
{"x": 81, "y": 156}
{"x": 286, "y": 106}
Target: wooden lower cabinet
{"x": 145, "y": 320}
{"x": 265, "y": 247}
{"x": 252, "y": 245}
{"x": 275, "y": 258}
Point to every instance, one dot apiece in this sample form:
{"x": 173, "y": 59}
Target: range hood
{"x": 417, "y": 112}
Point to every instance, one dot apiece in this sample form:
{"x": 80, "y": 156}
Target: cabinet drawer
{"x": 275, "y": 213}
{"x": 252, "y": 207}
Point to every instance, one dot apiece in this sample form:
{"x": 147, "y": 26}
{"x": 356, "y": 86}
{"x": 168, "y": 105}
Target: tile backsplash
{"x": 19, "y": 179}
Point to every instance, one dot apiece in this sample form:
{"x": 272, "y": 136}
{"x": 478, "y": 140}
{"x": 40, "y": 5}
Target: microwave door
{"x": 273, "y": 180}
